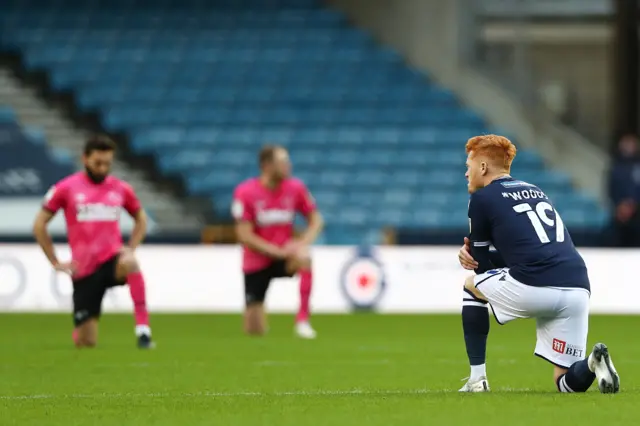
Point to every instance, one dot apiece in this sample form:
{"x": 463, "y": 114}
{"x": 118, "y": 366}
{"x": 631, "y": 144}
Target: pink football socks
{"x": 306, "y": 282}
{"x": 139, "y": 297}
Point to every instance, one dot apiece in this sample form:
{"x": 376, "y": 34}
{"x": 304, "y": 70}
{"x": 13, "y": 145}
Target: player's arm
{"x": 248, "y": 238}
{"x": 243, "y": 213}
{"x": 135, "y": 210}
{"x": 139, "y": 229}
{"x": 480, "y": 234}
{"x": 42, "y": 235}
{"x": 54, "y": 200}
{"x": 315, "y": 224}
{"x": 315, "y": 221}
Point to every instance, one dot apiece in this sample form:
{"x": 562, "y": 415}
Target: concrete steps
{"x": 169, "y": 213}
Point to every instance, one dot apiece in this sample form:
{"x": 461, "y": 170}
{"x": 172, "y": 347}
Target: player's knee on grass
{"x": 127, "y": 264}
{"x": 87, "y": 334}
{"x": 470, "y": 285}
{"x": 88, "y": 343}
{"x": 254, "y": 320}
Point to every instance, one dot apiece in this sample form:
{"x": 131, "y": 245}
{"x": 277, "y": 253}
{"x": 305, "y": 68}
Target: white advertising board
{"x": 209, "y": 279}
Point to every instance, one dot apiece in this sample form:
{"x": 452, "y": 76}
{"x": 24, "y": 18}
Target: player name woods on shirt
{"x": 526, "y": 194}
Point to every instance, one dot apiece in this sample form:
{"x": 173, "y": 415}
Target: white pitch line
{"x": 243, "y": 394}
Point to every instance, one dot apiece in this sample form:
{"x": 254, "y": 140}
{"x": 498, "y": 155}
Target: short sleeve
{"x": 479, "y": 223}
{"x": 55, "y": 198}
{"x": 241, "y": 206}
{"x": 306, "y": 204}
{"x": 131, "y": 203}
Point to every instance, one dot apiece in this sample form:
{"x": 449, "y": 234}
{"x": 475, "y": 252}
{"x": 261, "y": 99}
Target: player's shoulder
{"x": 62, "y": 187}
{"x": 67, "y": 182}
{"x": 72, "y": 179}
{"x": 247, "y": 186}
{"x": 476, "y": 202}
{"x": 480, "y": 194}
{"x": 484, "y": 197}
{"x": 295, "y": 183}
{"x": 119, "y": 183}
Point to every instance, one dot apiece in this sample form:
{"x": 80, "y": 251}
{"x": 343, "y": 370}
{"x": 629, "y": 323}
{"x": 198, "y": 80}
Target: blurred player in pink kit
{"x": 264, "y": 209}
{"x": 92, "y": 201}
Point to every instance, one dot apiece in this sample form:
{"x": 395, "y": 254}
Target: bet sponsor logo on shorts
{"x": 363, "y": 281}
{"x": 561, "y": 347}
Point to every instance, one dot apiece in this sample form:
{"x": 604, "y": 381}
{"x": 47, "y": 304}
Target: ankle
{"x": 478, "y": 372}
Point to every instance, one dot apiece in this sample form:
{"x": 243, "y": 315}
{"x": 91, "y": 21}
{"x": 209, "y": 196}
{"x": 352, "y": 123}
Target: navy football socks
{"x": 578, "y": 379}
{"x": 475, "y": 325}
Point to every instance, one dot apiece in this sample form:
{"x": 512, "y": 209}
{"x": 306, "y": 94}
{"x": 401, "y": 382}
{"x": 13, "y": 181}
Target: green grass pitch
{"x": 363, "y": 369}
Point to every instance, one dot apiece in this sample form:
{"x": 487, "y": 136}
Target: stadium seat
{"x": 7, "y": 115}
{"x": 27, "y": 164}
{"x": 379, "y": 143}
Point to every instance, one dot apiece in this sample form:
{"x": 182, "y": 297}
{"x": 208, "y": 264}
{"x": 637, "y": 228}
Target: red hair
{"x": 498, "y": 149}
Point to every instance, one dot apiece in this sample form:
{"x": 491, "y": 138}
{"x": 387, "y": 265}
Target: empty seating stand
{"x": 201, "y": 85}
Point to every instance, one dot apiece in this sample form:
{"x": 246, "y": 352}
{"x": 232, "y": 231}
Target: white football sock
{"x": 478, "y": 371}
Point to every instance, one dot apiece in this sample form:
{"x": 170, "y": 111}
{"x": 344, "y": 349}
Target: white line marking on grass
{"x": 362, "y": 392}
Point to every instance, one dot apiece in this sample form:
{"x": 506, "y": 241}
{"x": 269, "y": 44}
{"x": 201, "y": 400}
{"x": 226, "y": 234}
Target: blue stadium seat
{"x": 25, "y": 153}
{"x": 379, "y": 143}
{"x": 7, "y": 115}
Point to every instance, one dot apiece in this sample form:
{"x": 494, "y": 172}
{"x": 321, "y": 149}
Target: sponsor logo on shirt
{"x": 275, "y": 217}
{"x": 97, "y": 213}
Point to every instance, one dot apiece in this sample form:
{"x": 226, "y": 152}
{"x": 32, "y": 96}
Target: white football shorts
{"x": 561, "y": 314}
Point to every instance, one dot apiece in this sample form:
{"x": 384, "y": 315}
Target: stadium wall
{"x": 186, "y": 279}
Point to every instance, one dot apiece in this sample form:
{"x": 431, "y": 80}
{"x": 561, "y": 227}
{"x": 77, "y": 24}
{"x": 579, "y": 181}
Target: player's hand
{"x": 281, "y": 253}
{"x": 464, "y": 256}
{"x": 66, "y": 267}
{"x": 295, "y": 249}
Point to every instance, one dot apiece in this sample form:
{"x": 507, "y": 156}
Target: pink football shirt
{"x": 92, "y": 213}
{"x": 271, "y": 212}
